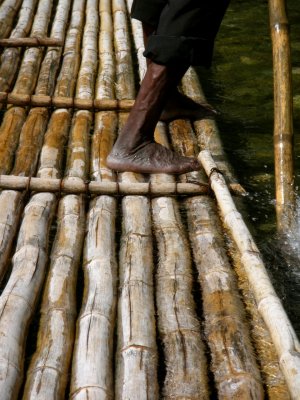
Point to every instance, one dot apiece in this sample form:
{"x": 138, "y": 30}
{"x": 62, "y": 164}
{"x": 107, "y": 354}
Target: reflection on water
{"x": 240, "y": 85}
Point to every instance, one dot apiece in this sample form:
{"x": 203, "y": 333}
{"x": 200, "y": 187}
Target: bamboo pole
{"x": 18, "y": 299}
{"x": 65, "y": 102}
{"x": 8, "y": 11}
{"x": 96, "y": 321}
{"x": 49, "y": 368}
{"x": 136, "y": 354}
{"x": 270, "y": 307}
{"x": 178, "y": 326}
{"x": 208, "y": 138}
{"x": 30, "y": 42}
{"x": 10, "y": 58}
{"x": 283, "y": 116}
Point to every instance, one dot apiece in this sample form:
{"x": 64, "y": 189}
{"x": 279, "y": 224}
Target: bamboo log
{"x": 124, "y": 70}
{"x": 18, "y": 300}
{"x": 283, "y": 116}
{"x": 8, "y": 11}
{"x": 234, "y": 366}
{"x": 47, "y": 374}
{"x": 80, "y": 186}
{"x": 270, "y": 307}
{"x": 64, "y": 102}
{"x": 95, "y": 325}
{"x": 52, "y": 59}
{"x": 10, "y": 58}
{"x": 136, "y": 347}
{"x": 31, "y": 42}
{"x": 178, "y": 326}
{"x": 208, "y": 137}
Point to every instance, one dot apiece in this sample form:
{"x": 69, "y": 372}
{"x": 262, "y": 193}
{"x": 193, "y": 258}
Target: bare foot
{"x": 151, "y": 158}
{"x": 181, "y": 106}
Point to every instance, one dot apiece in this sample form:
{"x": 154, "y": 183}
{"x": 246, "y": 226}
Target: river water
{"x": 240, "y": 85}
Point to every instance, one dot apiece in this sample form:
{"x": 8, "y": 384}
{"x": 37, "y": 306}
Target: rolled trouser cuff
{"x": 167, "y": 50}
{"x": 147, "y": 11}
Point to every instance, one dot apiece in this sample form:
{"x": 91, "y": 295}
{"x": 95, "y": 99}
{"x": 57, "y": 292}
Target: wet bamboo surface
{"x": 112, "y": 285}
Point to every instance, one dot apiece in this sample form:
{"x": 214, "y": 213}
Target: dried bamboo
{"x": 48, "y": 371}
{"x": 49, "y": 368}
{"x": 283, "y": 335}
{"x": 10, "y": 58}
{"x": 283, "y": 116}
{"x": 235, "y": 371}
{"x": 208, "y": 138}
{"x": 79, "y": 186}
{"x": 30, "y": 42}
{"x": 124, "y": 70}
{"x": 136, "y": 355}
{"x": 18, "y": 299}
{"x": 179, "y": 328}
{"x": 95, "y": 324}
{"x": 65, "y": 102}
{"x": 8, "y": 11}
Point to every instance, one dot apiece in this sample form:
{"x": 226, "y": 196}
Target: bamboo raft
{"x": 120, "y": 286}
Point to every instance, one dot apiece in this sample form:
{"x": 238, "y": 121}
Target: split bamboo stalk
{"x": 47, "y": 374}
{"x": 75, "y": 186}
{"x": 49, "y": 368}
{"x": 31, "y": 138}
{"x": 136, "y": 357}
{"x": 30, "y": 42}
{"x": 178, "y": 326}
{"x": 65, "y": 102}
{"x": 208, "y": 138}
{"x": 233, "y": 363}
{"x": 124, "y": 70}
{"x": 95, "y": 324}
{"x": 269, "y": 305}
{"x": 8, "y": 11}
{"x": 18, "y": 299}
{"x": 10, "y": 58}
{"x": 283, "y": 116}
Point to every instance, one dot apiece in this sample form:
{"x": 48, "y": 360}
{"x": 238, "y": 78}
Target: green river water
{"x": 240, "y": 85}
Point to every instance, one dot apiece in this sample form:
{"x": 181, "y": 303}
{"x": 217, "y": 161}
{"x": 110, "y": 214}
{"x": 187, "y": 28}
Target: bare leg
{"x": 178, "y": 105}
{"x": 135, "y": 149}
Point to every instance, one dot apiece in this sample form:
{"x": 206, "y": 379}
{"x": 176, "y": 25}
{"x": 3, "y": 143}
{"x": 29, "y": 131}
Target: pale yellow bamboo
{"x": 208, "y": 138}
{"x": 30, "y": 42}
{"x": 269, "y": 305}
{"x": 234, "y": 366}
{"x": 10, "y": 57}
{"x": 178, "y": 325}
{"x": 49, "y": 368}
{"x": 47, "y": 374}
{"x": 77, "y": 186}
{"x": 18, "y": 299}
{"x": 8, "y": 11}
{"x": 64, "y": 102}
{"x": 283, "y": 116}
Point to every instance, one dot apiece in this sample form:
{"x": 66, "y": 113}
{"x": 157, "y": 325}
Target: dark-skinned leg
{"x": 178, "y": 105}
{"x": 135, "y": 149}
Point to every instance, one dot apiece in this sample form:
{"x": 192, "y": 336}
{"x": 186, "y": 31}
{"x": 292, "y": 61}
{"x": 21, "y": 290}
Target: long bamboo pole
{"x": 80, "y": 186}
{"x": 96, "y": 321}
{"x": 8, "y": 11}
{"x": 209, "y": 138}
{"x": 64, "y": 102}
{"x": 30, "y": 42}
{"x": 234, "y": 366}
{"x": 136, "y": 375}
{"x": 269, "y": 305}
{"x": 10, "y": 58}
{"x": 48, "y": 370}
{"x": 283, "y": 116}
